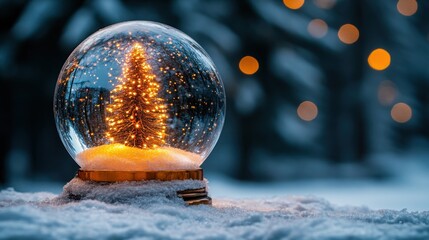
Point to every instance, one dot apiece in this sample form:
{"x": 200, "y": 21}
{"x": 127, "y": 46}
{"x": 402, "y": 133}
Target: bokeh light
{"x": 348, "y": 33}
{"x": 325, "y": 4}
{"x": 293, "y": 4}
{"x": 379, "y": 59}
{"x": 401, "y": 112}
{"x": 248, "y": 65}
{"x": 307, "y": 111}
{"x": 386, "y": 92}
{"x": 407, "y": 7}
{"x": 317, "y": 28}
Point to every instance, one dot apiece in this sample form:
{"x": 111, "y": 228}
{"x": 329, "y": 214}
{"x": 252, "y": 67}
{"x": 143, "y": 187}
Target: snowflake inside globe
{"x": 139, "y": 96}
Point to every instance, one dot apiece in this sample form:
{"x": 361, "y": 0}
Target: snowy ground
{"x": 320, "y": 209}
{"x": 410, "y": 194}
{"x": 131, "y": 211}
{"x": 407, "y": 188}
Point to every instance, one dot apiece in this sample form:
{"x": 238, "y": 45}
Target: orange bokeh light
{"x": 401, "y": 112}
{"x": 307, "y": 111}
{"x": 407, "y": 7}
{"x": 348, "y": 33}
{"x": 317, "y": 28}
{"x": 325, "y": 4}
{"x": 386, "y": 92}
{"x": 248, "y": 65}
{"x": 293, "y": 4}
{"x": 379, "y": 59}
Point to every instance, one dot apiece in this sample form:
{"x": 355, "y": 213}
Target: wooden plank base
{"x": 195, "y": 196}
{"x": 122, "y": 176}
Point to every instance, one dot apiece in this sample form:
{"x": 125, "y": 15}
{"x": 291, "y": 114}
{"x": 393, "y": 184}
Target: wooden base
{"x": 122, "y": 176}
{"x": 190, "y": 196}
{"x": 195, "y": 196}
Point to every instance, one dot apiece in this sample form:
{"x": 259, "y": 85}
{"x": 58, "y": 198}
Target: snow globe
{"x": 140, "y": 101}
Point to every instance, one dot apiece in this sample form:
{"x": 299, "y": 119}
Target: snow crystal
{"x": 141, "y": 211}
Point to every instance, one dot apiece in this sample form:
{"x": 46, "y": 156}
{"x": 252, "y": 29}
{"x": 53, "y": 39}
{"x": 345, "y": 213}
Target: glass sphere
{"x": 139, "y": 96}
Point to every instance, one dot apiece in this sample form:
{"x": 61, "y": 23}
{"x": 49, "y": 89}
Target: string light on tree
{"x": 137, "y": 116}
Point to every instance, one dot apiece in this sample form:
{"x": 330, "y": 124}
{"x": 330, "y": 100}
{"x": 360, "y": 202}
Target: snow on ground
{"x": 133, "y": 211}
{"x": 390, "y": 194}
{"x": 407, "y": 186}
{"x": 343, "y": 209}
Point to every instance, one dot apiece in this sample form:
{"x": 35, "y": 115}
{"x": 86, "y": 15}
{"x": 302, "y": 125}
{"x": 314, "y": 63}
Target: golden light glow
{"x": 307, "y": 111}
{"x": 407, "y": 7}
{"x": 386, "y": 92}
{"x": 401, "y": 113}
{"x": 317, "y": 28}
{"x": 325, "y": 4}
{"x": 379, "y": 59}
{"x": 136, "y": 116}
{"x": 293, "y": 4}
{"x": 118, "y": 157}
{"x": 348, "y": 33}
{"x": 248, "y": 65}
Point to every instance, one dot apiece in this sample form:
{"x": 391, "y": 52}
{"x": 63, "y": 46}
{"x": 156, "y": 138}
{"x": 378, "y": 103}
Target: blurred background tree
{"x": 307, "y": 94}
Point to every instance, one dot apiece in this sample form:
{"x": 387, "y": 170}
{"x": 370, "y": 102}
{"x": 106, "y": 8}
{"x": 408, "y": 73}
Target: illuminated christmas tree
{"x": 136, "y": 116}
